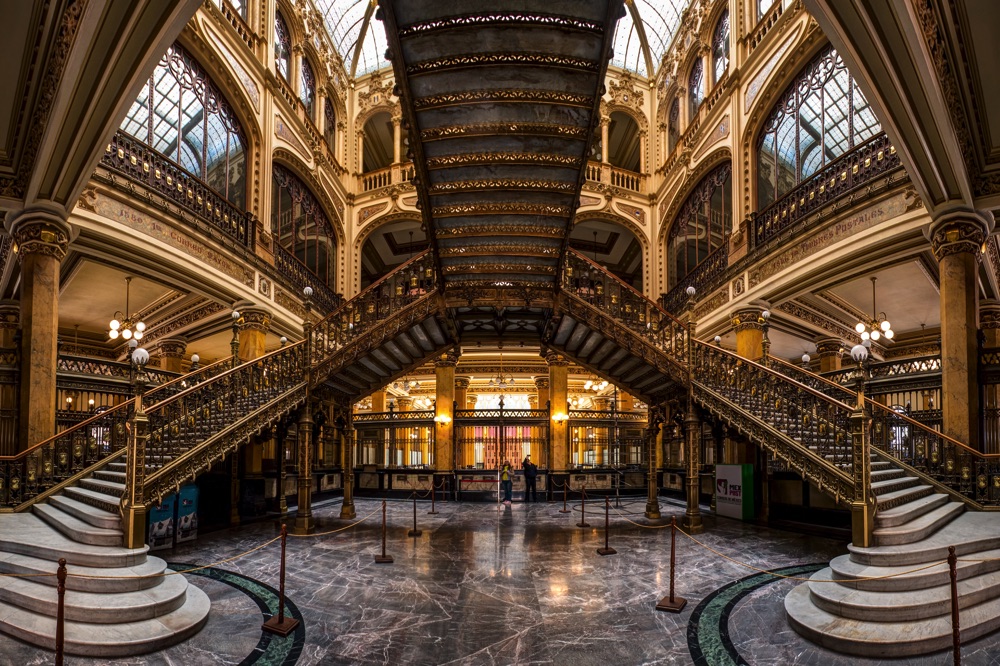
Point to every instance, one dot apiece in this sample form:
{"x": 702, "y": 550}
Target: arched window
{"x": 330, "y": 126}
{"x": 282, "y": 47}
{"x": 307, "y": 88}
{"x": 720, "y": 47}
{"x": 183, "y": 115}
{"x": 624, "y": 140}
{"x": 673, "y": 125}
{"x": 702, "y": 224}
{"x": 820, "y": 116}
{"x": 696, "y": 91}
{"x": 301, "y": 226}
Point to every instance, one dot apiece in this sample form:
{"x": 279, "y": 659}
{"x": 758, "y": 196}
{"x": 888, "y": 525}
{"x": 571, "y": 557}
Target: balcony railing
{"x": 599, "y": 172}
{"x": 295, "y": 272}
{"x": 141, "y": 164}
{"x": 390, "y": 175}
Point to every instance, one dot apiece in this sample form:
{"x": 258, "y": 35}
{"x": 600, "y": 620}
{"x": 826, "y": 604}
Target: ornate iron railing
{"x": 597, "y": 286}
{"x": 326, "y": 300}
{"x": 48, "y": 465}
{"x": 98, "y": 367}
{"x": 907, "y": 367}
{"x": 392, "y": 417}
{"x": 705, "y": 276}
{"x": 141, "y": 164}
{"x": 630, "y": 418}
{"x": 848, "y": 173}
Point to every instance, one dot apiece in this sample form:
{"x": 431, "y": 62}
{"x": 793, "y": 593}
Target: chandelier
{"x": 126, "y": 325}
{"x": 595, "y": 384}
{"x": 501, "y": 380}
{"x": 877, "y": 326}
{"x": 405, "y": 384}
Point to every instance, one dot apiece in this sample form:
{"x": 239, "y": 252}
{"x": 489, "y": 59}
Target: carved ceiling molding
{"x": 503, "y": 158}
{"x": 491, "y": 129}
{"x": 500, "y": 228}
{"x": 818, "y": 320}
{"x": 498, "y": 268}
{"x": 503, "y": 95}
{"x": 502, "y": 19}
{"x": 506, "y": 248}
{"x": 488, "y": 184}
{"x": 480, "y": 59}
{"x": 506, "y": 208}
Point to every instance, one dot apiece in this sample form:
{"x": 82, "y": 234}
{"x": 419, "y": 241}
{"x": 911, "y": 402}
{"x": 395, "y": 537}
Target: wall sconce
{"x": 442, "y": 419}
{"x": 560, "y": 417}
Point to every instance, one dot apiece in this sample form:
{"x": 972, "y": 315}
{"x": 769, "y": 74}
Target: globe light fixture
{"x": 878, "y": 326}
{"x": 128, "y": 326}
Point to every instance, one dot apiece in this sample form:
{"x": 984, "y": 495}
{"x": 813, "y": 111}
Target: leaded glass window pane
{"x": 183, "y": 115}
{"x": 696, "y": 88}
{"x": 301, "y": 225}
{"x": 820, "y": 116}
{"x": 307, "y": 87}
{"x": 330, "y": 126}
{"x": 673, "y": 125}
{"x": 282, "y": 47}
{"x": 701, "y": 226}
{"x": 720, "y": 47}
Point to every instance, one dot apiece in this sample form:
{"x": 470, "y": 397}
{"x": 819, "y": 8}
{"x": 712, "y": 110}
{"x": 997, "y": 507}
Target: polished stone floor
{"x": 517, "y": 585}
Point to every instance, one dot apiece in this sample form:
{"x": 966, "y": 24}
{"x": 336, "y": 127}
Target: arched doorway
{"x": 623, "y": 142}
{"x": 378, "y": 143}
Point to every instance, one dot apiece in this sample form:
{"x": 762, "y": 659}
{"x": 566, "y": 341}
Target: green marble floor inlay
{"x": 271, "y": 649}
{"x": 708, "y": 630}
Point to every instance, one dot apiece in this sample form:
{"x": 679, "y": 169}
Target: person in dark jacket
{"x": 530, "y": 474}
{"x": 506, "y": 482}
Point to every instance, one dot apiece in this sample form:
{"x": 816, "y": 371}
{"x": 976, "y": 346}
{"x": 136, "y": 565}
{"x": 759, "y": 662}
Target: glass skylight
{"x": 640, "y": 51}
{"x": 358, "y": 37}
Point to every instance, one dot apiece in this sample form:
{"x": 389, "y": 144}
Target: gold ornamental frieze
{"x": 492, "y": 249}
{"x": 502, "y": 19}
{"x": 491, "y": 129}
{"x": 501, "y": 184}
{"x": 503, "y": 95}
{"x": 503, "y": 158}
{"x": 481, "y": 59}
{"x": 508, "y": 208}
{"x": 499, "y": 268}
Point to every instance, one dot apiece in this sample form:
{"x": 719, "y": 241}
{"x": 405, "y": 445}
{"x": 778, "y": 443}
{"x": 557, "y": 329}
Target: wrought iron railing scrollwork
{"x": 324, "y": 299}
{"x": 594, "y": 284}
{"x": 48, "y": 464}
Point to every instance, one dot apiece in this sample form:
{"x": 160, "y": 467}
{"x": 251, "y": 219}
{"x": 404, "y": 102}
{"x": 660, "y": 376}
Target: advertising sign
{"x": 161, "y": 524}
{"x": 187, "y": 513}
{"x": 734, "y": 491}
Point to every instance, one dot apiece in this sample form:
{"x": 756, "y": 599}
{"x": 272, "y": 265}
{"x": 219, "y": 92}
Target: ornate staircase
{"x": 76, "y": 484}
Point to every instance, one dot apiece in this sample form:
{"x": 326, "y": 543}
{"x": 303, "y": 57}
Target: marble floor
{"x": 517, "y": 585}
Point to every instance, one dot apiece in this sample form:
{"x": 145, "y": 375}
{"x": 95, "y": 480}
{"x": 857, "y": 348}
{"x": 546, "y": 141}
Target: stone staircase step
{"x": 900, "y": 605}
{"x": 27, "y": 534}
{"x": 971, "y": 533}
{"x": 85, "y": 578}
{"x": 117, "y": 466}
{"x": 920, "y": 527}
{"x": 909, "y": 511}
{"x": 76, "y": 529}
{"x": 885, "y": 639}
{"x": 110, "y": 640}
{"x": 106, "y": 487}
{"x": 897, "y": 497}
{"x": 110, "y": 475}
{"x": 87, "y": 513}
{"x": 886, "y": 486}
{"x": 98, "y": 607}
{"x": 887, "y": 473}
{"x": 95, "y": 498}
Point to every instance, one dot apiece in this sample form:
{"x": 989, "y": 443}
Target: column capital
{"x": 461, "y": 382}
{"x": 542, "y": 382}
{"x": 959, "y": 231}
{"x": 448, "y": 360}
{"x": 555, "y": 359}
{"x": 254, "y": 318}
{"x": 40, "y": 230}
{"x": 827, "y": 347}
{"x": 173, "y": 347}
{"x": 10, "y": 314}
{"x": 989, "y": 314}
{"x": 749, "y": 317}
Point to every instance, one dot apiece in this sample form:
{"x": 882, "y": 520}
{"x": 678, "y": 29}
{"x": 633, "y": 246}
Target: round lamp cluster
{"x": 125, "y": 331}
{"x": 875, "y": 331}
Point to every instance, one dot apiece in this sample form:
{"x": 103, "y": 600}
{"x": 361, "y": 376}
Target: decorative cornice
{"x": 506, "y": 208}
{"x": 503, "y": 158}
{"x": 503, "y": 95}
{"x": 482, "y": 59}
{"x": 491, "y": 129}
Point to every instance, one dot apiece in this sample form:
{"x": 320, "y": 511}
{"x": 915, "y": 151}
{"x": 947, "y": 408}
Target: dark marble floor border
{"x": 271, "y": 649}
{"x": 708, "y": 629}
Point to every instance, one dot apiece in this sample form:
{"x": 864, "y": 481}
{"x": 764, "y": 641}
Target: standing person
{"x": 530, "y": 474}
{"x": 506, "y": 483}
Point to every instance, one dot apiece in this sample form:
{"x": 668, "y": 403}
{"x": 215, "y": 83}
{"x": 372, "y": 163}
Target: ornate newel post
{"x": 692, "y": 430}
{"x": 303, "y": 514}
{"x": 956, "y": 238}
{"x": 347, "y": 510}
{"x": 652, "y": 487}
{"x": 133, "y": 507}
{"x": 863, "y": 505}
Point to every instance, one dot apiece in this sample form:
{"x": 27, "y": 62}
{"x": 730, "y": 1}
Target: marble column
{"x": 397, "y": 138}
{"x": 444, "y": 414}
{"x": 829, "y": 351}
{"x": 378, "y": 401}
{"x": 748, "y": 323}
{"x": 956, "y": 237}
{"x": 41, "y": 236}
{"x": 558, "y": 458}
{"x": 252, "y": 329}
{"x": 605, "y": 124}
{"x": 172, "y": 352}
{"x": 461, "y": 392}
{"x": 542, "y": 391}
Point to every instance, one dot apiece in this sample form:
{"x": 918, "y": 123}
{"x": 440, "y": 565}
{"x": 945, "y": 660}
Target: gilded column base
{"x": 862, "y": 524}
{"x": 653, "y": 510}
{"x": 347, "y": 511}
{"x": 134, "y": 526}
{"x": 303, "y": 525}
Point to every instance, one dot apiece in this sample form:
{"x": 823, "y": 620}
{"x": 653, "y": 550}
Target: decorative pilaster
{"x": 956, "y": 238}
{"x": 692, "y": 430}
{"x": 133, "y": 506}
{"x": 542, "y": 391}
{"x": 172, "y": 351}
{"x": 41, "y": 236}
{"x": 10, "y": 320}
{"x": 989, "y": 321}
{"x": 829, "y": 351}
{"x": 444, "y": 413}
{"x": 304, "y": 523}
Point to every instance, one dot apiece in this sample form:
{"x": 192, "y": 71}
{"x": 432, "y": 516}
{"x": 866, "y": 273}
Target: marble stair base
{"x": 119, "y": 601}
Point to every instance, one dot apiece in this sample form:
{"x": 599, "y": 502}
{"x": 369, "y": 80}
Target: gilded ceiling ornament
{"x": 502, "y": 184}
{"x": 503, "y": 158}
{"x": 489, "y": 129}
{"x": 513, "y": 208}
{"x": 504, "y": 95}
{"x": 505, "y": 18}
{"x": 498, "y": 228}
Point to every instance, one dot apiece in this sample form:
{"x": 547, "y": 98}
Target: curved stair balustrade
{"x": 48, "y": 466}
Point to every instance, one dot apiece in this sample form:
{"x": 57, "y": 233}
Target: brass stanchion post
{"x": 956, "y": 636}
{"x": 583, "y": 508}
{"x": 671, "y": 603}
{"x": 565, "y": 490}
{"x": 60, "y": 610}
{"x": 383, "y": 558}
{"x": 280, "y": 624}
{"x": 433, "y": 510}
{"x": 414, "y": 532}
{"x": 607, "y": 550}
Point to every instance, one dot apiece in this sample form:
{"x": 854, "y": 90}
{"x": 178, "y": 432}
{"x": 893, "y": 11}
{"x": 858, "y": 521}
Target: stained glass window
{"x": 820, "y": 116}
{"x": 330, "y": 126}
{"x": 720, "y": 47}
{"x": 307, "y": 87}
{"x": 301, "y": 225}
{"x": 181, "y": 114}
{"x": 696, "y": 88}
{"x": 702, "y": 224}
{"x": 282, "y": 47}
{"x": 673, "y": 125}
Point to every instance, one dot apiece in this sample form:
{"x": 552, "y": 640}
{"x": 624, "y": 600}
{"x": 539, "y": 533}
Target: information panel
{"x": 734, "y": 491}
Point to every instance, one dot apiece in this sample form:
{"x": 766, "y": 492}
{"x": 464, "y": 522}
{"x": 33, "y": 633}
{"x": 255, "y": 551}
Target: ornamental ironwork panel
{"x": 300, "y": 277}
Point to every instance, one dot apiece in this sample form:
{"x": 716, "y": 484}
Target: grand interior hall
{"x": 519, "y": 332}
